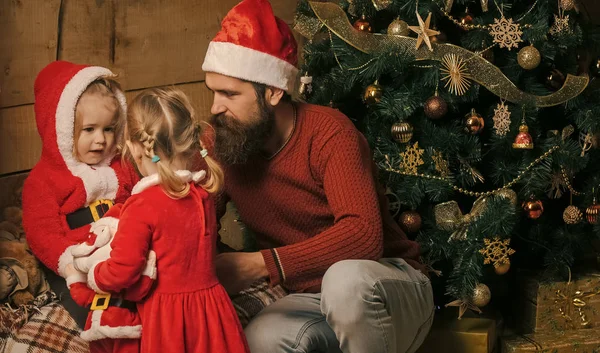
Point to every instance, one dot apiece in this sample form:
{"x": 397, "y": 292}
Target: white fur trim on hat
{"x": 98, "y": 331}
{"x": 251, "y": 65}
{"x": 101, "y": 181}
{"x": 65, "y": 259}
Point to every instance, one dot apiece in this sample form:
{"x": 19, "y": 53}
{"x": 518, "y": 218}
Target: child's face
{"x": 96, "y": 139}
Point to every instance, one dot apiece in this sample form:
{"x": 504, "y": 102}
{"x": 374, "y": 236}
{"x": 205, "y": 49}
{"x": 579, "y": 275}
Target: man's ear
{"x": 273, "y": 95}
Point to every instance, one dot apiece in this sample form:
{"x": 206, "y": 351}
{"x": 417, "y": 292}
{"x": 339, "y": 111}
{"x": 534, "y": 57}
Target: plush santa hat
{"x": 254, "y": 45}
{"x": 57, "y": 89}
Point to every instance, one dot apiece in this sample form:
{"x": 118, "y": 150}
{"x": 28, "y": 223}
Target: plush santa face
{"x": 96, "y": 117}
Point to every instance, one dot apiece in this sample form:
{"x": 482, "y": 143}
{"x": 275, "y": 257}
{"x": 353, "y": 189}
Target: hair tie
{"x": 204, "y": 153}
{"x": 155, "y": 159}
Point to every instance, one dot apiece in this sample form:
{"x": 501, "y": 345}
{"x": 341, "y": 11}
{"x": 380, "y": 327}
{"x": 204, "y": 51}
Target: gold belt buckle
{"x": 94, "y": 204}
{"x": 104, "y": 299}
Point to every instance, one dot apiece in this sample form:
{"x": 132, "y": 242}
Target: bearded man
{"x": 303, "y": 180}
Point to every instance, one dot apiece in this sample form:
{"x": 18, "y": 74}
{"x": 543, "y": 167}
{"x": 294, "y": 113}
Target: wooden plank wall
{"x": 149, "y": 43}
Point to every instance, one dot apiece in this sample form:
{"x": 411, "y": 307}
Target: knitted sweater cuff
{"x": 273, "y": 266}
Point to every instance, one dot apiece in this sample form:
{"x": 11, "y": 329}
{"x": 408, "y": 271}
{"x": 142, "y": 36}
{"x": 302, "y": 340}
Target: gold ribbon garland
{"x": 485, "y": 73}
{"x": 448, "y": 216}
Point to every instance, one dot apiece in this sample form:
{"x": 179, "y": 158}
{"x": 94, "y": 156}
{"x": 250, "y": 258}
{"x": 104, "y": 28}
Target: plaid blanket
{"x": 49, "y": 330}
{"x": 251, "y": 301}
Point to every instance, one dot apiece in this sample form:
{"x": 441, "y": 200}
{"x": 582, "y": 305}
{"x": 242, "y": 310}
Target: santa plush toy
{"x": 112, "y": 315}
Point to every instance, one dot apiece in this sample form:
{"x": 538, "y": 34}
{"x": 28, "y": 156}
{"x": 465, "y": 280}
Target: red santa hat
{"x": 254, "y": 45}
{"x": 57, "y": 90}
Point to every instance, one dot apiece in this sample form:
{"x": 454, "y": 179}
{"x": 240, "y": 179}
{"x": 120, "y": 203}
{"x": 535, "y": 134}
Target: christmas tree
{"x": 483, "y": 119}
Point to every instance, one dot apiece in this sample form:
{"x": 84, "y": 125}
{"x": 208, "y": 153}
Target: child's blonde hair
{"x": 105, "y": 87}
{"x": 163, "y": 120}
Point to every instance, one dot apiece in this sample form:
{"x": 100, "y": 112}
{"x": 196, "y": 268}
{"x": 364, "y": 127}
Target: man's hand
{"x": 238, "y": 270}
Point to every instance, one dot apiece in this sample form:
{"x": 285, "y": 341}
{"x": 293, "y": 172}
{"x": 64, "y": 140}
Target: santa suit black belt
{"x": 103, "y": 301}
{"x": 90, "y": 214}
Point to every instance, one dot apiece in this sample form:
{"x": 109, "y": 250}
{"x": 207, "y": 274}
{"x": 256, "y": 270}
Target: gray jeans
{"x": 382, "y": 306}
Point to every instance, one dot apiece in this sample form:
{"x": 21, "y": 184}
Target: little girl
{"x": 171, "y": 212}
{"x": 80, "y": 111}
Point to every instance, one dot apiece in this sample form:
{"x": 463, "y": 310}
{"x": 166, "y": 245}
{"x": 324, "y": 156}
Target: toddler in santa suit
{"x": 80, "y": 112}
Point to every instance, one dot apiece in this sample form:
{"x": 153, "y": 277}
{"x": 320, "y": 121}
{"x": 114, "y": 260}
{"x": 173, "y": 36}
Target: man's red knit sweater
{"x": 316, "y": 203}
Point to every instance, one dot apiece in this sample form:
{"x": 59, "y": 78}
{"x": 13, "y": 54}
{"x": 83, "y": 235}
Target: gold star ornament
{"x": 423, "y": 31}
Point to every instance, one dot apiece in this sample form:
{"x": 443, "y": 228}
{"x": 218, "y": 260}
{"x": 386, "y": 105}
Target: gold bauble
{"x": 502, "y": 268}
{"x": 567, "y": 5}
{"x": 481, "y": 295}
{"x": 363, "y": 25}
{"x": 398, "y": 28}
{"x": 572, "y": 215}
{"x": 402, "y": 131}
{"x": 435, "y": 107}
{"x": 474, "y": 122}
{"x": 410, "y": 221}
{"x": 529, "y": 58}
{"x": 533, "y": 208}
{"x": 373, "y": 94}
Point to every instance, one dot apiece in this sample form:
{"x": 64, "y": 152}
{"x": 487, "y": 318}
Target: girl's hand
{"x": 71, "y": 271}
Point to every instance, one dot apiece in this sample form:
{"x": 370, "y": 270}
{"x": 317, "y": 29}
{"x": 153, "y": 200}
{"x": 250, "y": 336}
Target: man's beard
{"x": 236, "y": 141}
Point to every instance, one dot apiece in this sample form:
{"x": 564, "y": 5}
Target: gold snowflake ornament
{"x": 496, "y": 251}
{"x": 411, "y": 158}
{"x": 506, "y": 33}
{"x": 560, "y": 25}
{"x": 501, "y": 119}
{"x": 455, "y": 74}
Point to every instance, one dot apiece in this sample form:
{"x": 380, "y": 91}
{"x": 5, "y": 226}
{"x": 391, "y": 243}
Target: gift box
{"x": 579, "y": 341}
{"x": 558, "y": 306}
{"x": 471, "y": 334}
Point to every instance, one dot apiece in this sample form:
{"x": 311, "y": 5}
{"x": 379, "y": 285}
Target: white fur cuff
{"x": 98, "y": 331}
{"x": 65, "y": 259}
{"x": 91, "y": 280}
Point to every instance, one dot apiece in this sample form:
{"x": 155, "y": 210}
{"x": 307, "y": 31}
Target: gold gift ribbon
{"x": 485, "y": 73}
{"x": 449, "y": 217}
{"x": 570, "y": 300}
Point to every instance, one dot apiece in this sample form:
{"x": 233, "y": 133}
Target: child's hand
{"x": 71, "y": 271}
{"x": 85, "y": 263}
